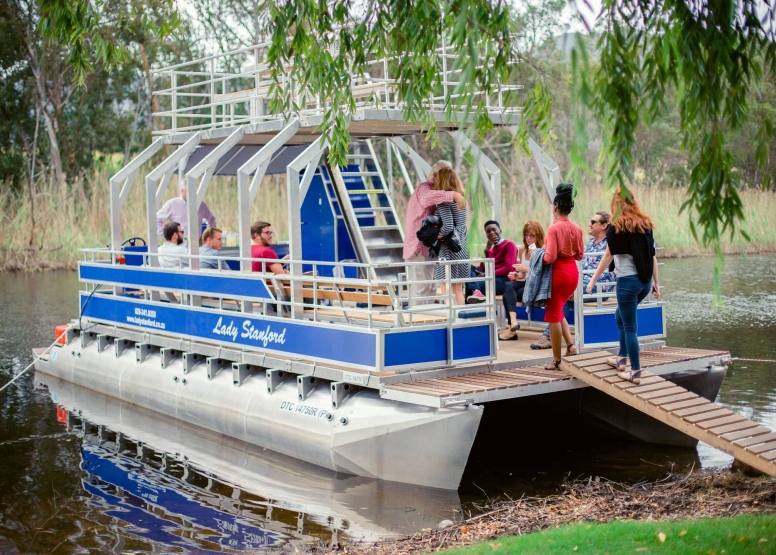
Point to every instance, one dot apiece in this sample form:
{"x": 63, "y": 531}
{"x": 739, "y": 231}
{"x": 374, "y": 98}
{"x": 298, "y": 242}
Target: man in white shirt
{"x": 173, "y": 245}
{"x": 174, "y": 210}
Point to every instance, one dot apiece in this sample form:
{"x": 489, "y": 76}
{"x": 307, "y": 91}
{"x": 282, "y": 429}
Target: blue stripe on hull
{"x": 352, "y": 347}
{"x": 174, "y": 280}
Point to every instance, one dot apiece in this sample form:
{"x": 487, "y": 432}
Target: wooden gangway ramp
{"x": 683, "y": 410}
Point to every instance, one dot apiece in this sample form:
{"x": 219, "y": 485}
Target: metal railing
{"x": 233, "y": 88}
{"x": 603, "y": 299}
{"x": 312, "y": 296}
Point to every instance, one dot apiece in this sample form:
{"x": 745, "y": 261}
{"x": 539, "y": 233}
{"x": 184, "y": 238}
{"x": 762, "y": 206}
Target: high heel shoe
{"x": 554, "y": 365}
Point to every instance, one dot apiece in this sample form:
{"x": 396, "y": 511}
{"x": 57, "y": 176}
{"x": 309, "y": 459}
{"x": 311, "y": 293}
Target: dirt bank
{"x": 678, "y": 497}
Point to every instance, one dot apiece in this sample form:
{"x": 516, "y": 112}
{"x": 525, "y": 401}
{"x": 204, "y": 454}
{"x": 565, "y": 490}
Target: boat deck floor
{"x": 523, "y": 380}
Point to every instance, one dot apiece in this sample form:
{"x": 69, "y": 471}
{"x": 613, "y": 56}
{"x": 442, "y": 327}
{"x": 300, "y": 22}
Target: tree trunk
{"x": 153, "y": 124}
{"x": 44, "y": 104}
{"x": 32, "y": 178}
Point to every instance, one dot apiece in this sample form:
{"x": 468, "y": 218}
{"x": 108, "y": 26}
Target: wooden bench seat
{"x": 341, "y": 294}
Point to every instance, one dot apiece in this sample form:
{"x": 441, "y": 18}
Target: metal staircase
{"x": 369, "y": 212}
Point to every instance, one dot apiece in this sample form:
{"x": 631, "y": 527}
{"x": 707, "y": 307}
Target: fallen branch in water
{"x": 681, "y": 497}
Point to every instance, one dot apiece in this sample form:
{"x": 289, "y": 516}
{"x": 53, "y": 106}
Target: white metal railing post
{"x": 579, "y": 310}
{"x": 174, "y": 99}
{"x": 444, "y": 70}
{"x": 451, "y": 313}
{"x": 212, "y": 93}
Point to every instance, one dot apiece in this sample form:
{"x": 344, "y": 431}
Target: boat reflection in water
{"x": 181, "y": 485}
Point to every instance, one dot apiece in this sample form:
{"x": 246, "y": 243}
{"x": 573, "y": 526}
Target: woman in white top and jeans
{"x": 631, "y": 251}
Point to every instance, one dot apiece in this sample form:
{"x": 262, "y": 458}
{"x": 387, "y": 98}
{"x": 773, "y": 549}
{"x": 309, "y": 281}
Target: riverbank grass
{"x": 742, "y": 535}
{"x": 43, "y": 228}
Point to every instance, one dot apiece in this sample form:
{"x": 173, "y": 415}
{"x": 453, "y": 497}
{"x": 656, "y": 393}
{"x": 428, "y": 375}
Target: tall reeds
{"x": 77, "y": 216}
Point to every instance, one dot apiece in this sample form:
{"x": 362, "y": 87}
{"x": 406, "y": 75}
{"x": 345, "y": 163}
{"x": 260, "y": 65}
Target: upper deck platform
{"x": 235, "y": 89}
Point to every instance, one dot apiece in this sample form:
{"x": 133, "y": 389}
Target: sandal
{"x": 617, "y": 362}
{"x": 569, "y": 352}
{"x": 554, "y": 365}
{"x": 633, "y": 376}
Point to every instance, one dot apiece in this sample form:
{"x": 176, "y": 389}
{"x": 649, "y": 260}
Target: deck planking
{"x": 651, "y": 387}
{"x": 673, "y": 405}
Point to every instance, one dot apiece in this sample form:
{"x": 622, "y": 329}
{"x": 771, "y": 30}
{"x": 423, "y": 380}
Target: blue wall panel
{"x": 415, "y": 347}
{"x": 353, "y": 347}
{"x": 471, "y": 342}
{"x": 602, "y": 328}
{"x": 317, "y": 228}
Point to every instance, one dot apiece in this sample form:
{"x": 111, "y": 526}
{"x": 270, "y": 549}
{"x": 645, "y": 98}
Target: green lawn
{"x": 739, "y": 535}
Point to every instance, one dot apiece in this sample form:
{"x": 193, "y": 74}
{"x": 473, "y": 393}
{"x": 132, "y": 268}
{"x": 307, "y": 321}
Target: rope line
{"x": 754, "y": 359}
{"x": 37, "y": 358}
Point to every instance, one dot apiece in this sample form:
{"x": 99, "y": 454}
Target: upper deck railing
{"x": 233, "y": 88}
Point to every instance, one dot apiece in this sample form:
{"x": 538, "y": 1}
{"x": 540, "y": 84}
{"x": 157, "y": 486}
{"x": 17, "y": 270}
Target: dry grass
{"x": 77, "y": 216}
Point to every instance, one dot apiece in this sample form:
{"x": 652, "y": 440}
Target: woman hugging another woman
{"x": 453, "y": 231}
{"x": 533, "y": 238}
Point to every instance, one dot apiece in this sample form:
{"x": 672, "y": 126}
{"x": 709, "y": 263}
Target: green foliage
{"x": 87, "y": 31}
{"x": 110, "y": 113}
{"x": 713, "y": 53}
{"x": 741, "y": 535}
{"x": 326, "y": 41}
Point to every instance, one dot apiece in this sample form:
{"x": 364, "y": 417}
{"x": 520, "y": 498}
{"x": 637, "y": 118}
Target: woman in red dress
{"x": 563, "y": 247}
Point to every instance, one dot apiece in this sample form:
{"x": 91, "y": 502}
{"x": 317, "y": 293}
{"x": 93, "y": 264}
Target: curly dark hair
{"x": 564, "y": 198}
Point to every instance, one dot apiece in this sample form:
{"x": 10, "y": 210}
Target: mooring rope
{"x": 753, "y": 359}
{"x": 37, "y": 358}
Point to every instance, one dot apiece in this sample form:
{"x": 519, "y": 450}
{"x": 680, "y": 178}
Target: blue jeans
{"x": 630, "y": 292}
{"x": 472, "y": 285}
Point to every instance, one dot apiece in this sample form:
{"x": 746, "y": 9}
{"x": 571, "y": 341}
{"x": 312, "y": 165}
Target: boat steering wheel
{"x": 132, "y": 242}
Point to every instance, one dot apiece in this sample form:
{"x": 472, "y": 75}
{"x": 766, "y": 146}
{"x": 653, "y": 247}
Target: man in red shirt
{"x": 423, "y": 203}
{"x": 261, "y": 235}
{"x": 504, "y": 252}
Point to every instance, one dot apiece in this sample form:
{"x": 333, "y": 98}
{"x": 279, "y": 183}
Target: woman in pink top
{"x": 563, "y": 247}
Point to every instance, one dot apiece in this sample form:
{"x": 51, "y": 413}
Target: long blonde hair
{"x": 627, "y": 214}
{"x": 448, "y": 180}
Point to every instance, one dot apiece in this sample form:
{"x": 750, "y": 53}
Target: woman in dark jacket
{"x": 631, "y": 251}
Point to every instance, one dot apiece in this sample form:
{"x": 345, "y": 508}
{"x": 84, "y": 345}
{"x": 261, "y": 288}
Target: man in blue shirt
{"x": 596, "y": 244}
{"x": 212, "y": 241}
